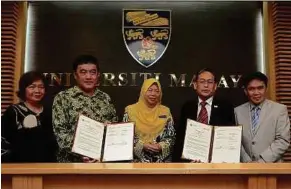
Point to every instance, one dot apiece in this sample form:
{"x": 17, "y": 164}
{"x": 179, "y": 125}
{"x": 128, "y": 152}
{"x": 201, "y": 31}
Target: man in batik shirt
{"x": 84, "y": 98}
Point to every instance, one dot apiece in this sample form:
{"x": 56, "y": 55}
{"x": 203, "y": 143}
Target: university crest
{"x": 146, "y": 34}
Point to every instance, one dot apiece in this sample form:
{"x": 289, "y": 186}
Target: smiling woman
{"x": 154, "y": 127}
{"x": 26, "y": 127}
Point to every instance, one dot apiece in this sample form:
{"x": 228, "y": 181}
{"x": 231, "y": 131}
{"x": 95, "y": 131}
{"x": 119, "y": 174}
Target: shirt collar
{"x": 252, "y": 106}
{"x": 208, "y": 101}
{"x": 77, "y": 91}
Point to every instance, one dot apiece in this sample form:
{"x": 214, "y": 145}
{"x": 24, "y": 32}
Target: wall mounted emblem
{"x": 146, "y": 34}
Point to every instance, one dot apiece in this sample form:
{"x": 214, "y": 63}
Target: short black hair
{"x": 27, "y": 79}
{"x": 85, "y": 59}
{"x": 255, "y": 75}
{"x": 206, "y": 70}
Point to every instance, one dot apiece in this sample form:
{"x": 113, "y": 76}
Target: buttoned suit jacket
{"x": 222, "y": 114}
{"x": 270, "y": 139}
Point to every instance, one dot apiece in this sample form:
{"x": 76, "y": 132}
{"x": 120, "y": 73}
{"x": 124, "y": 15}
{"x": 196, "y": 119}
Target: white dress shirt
{"x": 207, "y": 106}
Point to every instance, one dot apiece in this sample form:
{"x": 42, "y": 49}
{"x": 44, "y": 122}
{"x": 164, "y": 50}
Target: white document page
{"x": 197, "y": 141}
{"x": 88, "y": 137}
{"x": 119, "y": 142}
{"x": 227, "y": 144}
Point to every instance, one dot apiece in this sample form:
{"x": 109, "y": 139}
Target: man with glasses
{"x": 84, "y": 98}
{"x": 266, "y": 124}
{"x": 205, "y": 108}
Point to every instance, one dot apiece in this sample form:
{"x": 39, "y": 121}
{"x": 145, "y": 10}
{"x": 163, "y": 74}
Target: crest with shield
{"x": 146, "y": 34}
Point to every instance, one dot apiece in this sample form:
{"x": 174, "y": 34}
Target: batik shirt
{"x": 67, "y": 107}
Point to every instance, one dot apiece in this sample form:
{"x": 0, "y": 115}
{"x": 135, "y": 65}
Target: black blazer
{"x": 222, "y": 113}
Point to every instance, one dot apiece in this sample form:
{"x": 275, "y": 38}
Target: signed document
{"x": 215, "y": 144}
{"x": 197, "y": 141}
{"x": 110, "y": 142}
{"x": 88, "y": 138}
{"x": 119, "y": 142}
{"x": 227, "y": 144}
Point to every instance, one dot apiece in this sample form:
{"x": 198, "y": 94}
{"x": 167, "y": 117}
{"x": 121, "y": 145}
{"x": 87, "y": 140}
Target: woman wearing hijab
{"x": 154, "y": 127}
{"x": 26, "y": 127}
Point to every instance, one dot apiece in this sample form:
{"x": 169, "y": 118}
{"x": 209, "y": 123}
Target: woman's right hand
{"x": 153, "y": 148}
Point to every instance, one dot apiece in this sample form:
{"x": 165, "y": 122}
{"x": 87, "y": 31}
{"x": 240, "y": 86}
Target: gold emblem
{"x": 160, "y": 34}
{"x": 146, "y": 34}
{"x": 134, "y": 34}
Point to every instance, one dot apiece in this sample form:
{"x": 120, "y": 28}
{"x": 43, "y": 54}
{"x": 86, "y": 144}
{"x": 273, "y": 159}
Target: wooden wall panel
{"x": 281, "y": 21}
{"x": 9, "y": 23}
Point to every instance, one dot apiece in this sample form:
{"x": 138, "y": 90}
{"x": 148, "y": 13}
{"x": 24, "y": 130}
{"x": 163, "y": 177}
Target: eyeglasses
{"x": 203, "y": 82}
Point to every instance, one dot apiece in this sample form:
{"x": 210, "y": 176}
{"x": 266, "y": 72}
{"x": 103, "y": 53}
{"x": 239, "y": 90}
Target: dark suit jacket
{"x": 222, "y": 113}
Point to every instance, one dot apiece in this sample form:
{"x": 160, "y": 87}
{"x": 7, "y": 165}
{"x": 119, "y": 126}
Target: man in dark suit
{"x": 205, "y": 108}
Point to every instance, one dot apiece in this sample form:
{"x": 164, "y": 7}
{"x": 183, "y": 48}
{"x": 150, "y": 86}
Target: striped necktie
{"x": 255, "y": 117}
{"x": 203, "y": 115}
